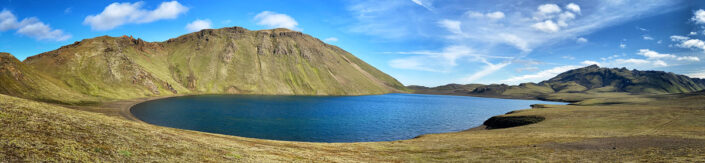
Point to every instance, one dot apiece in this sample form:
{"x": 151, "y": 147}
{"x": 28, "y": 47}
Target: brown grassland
{"x": 600, "y": 128}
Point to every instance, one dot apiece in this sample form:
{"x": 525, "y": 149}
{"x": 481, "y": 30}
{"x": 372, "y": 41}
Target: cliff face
{"x": 213, "y": 61}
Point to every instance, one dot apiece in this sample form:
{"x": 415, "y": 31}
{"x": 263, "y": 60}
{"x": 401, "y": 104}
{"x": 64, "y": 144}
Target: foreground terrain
{"x": 650, "y": 128}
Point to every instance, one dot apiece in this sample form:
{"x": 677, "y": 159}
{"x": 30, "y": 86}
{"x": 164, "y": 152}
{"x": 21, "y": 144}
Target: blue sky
{"x": 419, "y": 42}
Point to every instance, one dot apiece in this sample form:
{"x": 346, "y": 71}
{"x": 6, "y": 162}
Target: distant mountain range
{"x": 213, "y": 61}
{"x": 590, "y": 79}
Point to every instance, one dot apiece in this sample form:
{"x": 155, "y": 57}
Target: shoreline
{"x": 599, "y": 132}
{"x": 124, "y": 108}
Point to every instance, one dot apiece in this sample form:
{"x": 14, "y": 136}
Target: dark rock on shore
{"x": 498, "y": 122}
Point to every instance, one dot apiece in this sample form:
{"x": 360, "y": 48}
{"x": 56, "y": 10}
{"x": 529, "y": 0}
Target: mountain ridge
{"x": 590, "y": 79}
{"x": 230, "y": 60}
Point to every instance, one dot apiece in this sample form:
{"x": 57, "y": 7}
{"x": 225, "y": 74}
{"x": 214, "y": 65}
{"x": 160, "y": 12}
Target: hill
{"x": 212, "y": 61}
{"x": 587, "y": 80}
{"x": 16, "y": 79}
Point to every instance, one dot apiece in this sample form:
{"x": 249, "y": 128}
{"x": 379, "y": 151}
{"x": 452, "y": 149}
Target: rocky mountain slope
{"x": 212, "y": 61}
{"x": 590, "y": 79}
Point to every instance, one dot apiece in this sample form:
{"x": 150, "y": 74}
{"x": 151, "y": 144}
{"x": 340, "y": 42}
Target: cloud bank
{"x": 117, "y": 14}
{"x": 271, "y": 19}
{"x": 31, "y": 27}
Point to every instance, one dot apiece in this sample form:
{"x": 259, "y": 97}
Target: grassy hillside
{"x": 670, "y": 129}
{"x": 211, "y": 61}
{"x": 16, "y": 79}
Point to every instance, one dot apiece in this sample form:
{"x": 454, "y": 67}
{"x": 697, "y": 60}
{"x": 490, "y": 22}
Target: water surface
{"x": 326, "y": 118}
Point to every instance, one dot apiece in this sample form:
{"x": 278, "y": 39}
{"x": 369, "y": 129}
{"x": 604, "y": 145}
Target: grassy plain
{"x": 608, "y": 128}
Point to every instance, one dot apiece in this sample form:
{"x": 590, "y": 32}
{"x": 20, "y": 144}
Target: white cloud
{"x": 697, "y": 75}
{"x": 678, "y": 38}
{"x": 8, "y": 21}
{"x": 688, "y": 58}
{"x": 581, "y": 40}
{"x": 699, "y": 16}
{"x": 652, "y": 59}
{"x": 198, "y": 25}
{"x": 495, "y": 15}
{"x": 610, "y": 57}
{"x": 492, "y": 15}
{"x": 530, "y": 69}
{"x": 550, "y": 19}
{"x": 428, "y": 4}
{"x": 549, "y": 9}
{"x": 660, "y": 63}
{"x": 539, "y": 76}
{"x": 573, "y": 7}
{"x": 515, "y": 41}
{"x": 166, "y": 10}
{"x": 687, "y": 42}
{"x": 489, "y": 68}
{"x": 331, "y": 39}
{"x": 442, "y": 61}
{"x": 39, "y": 30}
{"x": 31, "y": 27}
{"x": 451, "y": 25}
{"x": 276, "y": 20}
{"x": 622, "y": 45}
{"x": 650, "y": 54}
{"x": 414, "y": 63}
{"x": 632, "y": 61}
{"x": 693, "y": 33}
{"x": 589, "y": 62}
{"x": 564, "y": 18}
{"x": 568, "y": 57}
{"x": 645, "y": 37}
{"x": 692, "y": 43}
{"x": 546, "y": 26}
{"x": 117, "y": 14}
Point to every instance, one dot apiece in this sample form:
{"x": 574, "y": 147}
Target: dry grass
{"x": 671, "y": 129}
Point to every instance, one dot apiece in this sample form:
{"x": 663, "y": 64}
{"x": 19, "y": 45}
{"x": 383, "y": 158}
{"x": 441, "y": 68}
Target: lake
{"x": 326, "y": 118}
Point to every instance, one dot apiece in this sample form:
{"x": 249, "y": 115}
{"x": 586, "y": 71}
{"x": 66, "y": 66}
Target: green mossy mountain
{"x": 590, "y": 79}
{"x": 212, "y": 61}
{"x": 16, "y": 79}
{"x": 594, "y": 78}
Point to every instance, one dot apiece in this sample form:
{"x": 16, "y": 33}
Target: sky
{"x": 419, "y": 42}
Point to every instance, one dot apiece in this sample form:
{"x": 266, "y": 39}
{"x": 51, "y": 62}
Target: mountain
{"x": 212, "y": 61}
{"x": 590, "y": 79}
{"x": 594, "y": 78}
{"x": 17, "y": 79}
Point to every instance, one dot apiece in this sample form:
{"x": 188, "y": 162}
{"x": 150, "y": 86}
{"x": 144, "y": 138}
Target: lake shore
{"x": 668, "y": 129}
{"x": 124, "y": 110}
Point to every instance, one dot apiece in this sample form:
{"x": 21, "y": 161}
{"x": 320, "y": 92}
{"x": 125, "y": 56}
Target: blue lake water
{"x": 326, "y": 118}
